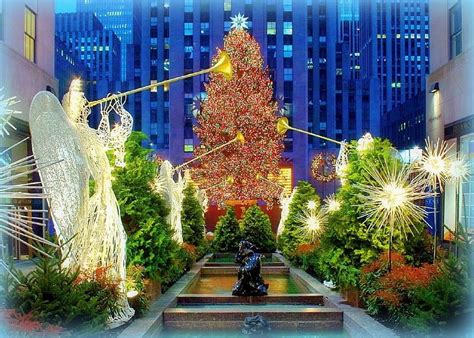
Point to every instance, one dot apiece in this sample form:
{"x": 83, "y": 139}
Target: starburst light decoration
{"x": 239, "y": 22}
{"x": 434, "y": 163}
{"x": 458, "y": 171}
{"x": 6, "y": 113}
{"x": 312, "y": 205}
{"x": 89, "y": 226}
{"x": 331, "y": 204}
{"x": 314, "y": 222}
{"x": 390, "y": 197}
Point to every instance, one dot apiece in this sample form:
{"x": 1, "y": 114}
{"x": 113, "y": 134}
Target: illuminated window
{"x": 287, "y": 51}
{"x": 188, "y": 145}
{"x": 153, "y": 89}
{"x": 284, "y": 179}
{"x": 271, "y": 28}
{"x": 30, "y": 35}
{"x": 227, "y": 5}
{"x": 287, "y": 28}
{"x": 188, "y": 28}
{"x": 188, "y": 6}
{"x": 288, "y": 74}
{"x": 287, "y": 6}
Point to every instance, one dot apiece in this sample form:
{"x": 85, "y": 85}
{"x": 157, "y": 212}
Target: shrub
{"x": 135, "y": 282}
{"x": 416, "y": 298}
{"x": 56, "y": 296}
{"x": 192, "y": 218}
{"x": 227, "y": 233}
{"x": 292, "y": 235}
{"x": 25, "y": 324}
{"x": 257, "y": 228}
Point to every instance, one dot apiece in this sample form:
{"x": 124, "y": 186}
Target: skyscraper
{"x": 118, "y": 16}
{"x": 394, "y": 50}
{"x": 86, "y": 38}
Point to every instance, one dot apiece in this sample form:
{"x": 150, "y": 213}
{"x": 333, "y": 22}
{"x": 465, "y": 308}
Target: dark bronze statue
{"x": 250, "y": 282}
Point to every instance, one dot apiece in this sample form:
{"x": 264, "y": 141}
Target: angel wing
{"x": 54, "y": 138}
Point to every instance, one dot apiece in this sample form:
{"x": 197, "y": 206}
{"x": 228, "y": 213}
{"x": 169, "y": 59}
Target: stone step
{"x": 231, "y": 316}
{"x": 309, "y": 299}
{"x": 226, "y": 270}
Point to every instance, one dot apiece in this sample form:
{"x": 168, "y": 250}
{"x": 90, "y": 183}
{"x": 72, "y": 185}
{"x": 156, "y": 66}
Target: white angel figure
{"x": 173, "y": 193}
{"x": 89, "y": 226}
{"x": 285, "y": 202}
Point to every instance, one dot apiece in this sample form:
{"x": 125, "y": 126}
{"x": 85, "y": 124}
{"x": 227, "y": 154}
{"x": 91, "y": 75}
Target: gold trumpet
{"x": 223, "y": 66}
{"x": 238, "y": 138}
{"x": 283, "y": 126}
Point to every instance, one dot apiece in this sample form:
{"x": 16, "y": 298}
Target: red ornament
{"x": 243, "y": 104}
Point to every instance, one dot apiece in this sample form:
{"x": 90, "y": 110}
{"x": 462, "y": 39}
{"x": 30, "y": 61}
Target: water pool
{"x": 213, "y": 333}
{"x": 230, "y": 258}
{"x": 222, "y": 284}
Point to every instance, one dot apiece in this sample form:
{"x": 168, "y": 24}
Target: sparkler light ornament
{"x": 6, "y": 114}
{"x": 312, "y": 205}
{"x": 313, "y": 224}
{"x": 389, "y": 199}
{"x": 457, "y": 171}
{"x": 434, "y": 163}
{"x": 89, "y": 227}
{"x": 15, "y": 221}
{"x": 331, "y": 204}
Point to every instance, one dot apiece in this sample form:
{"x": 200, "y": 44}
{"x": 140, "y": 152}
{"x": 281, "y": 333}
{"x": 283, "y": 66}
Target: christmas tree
{"x": 227, "y": 233}
{"x": 243, "y": 104}
{"x": 192, "y": 216}
{"x": 256, "y": 228}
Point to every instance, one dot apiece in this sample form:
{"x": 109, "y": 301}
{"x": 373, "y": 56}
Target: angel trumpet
{"x": 283, "y": 126}
{"x": 238, "y": 138}
{"x": 222, "y": 66}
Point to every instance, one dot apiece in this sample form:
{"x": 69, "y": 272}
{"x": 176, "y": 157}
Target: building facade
{"x": 121, "y": 18}
{"x": 450, "y": 102}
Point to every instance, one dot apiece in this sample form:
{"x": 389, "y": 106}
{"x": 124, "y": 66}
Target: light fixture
{"x": 434, "y": 87}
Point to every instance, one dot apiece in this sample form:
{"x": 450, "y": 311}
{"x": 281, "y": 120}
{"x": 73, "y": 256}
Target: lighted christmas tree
{"x": 243, "y": 104}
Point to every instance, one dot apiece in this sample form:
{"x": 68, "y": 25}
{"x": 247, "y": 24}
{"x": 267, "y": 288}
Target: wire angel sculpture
{"x": 342, "y": 161}
{"x": 285, "y": 202}
{"x": 89, "y": 226}
{"x": 173, "y": 192}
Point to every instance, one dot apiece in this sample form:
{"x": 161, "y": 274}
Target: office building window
{"x": 188, "y": 28}
{"x": 188, "y": 145}
{"x": 227, "y": 5}
{"x": 30, "y": 35}
{"x": 188, "y": 6}
{"x": 287, "y": 6}
{"x": 271, "y": 28}
{"x": 287, "y": 51}
{"x": 287, "y": 28}
{"x": 455, "y": 30}
{"x": 288, "y": 74}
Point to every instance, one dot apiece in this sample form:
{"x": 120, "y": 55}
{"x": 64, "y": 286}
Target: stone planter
{"x": 352, "y": 296}
{"x": 152, "y": 289}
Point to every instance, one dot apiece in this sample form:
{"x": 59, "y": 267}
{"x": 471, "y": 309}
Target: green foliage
{"x": 227, "y": 233}
{"x": 291, "y": 236}
{"x": 132, "y": 186}
{"x": 152, "y": 247}
{"x": 55, "y": 295}
{"x": 192, "y": 218}
{"x": 257, "y": 228}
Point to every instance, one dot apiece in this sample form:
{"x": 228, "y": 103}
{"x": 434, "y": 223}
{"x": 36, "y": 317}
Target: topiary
{"x": 227, "y": 233}
{"x": 292, "y": 236}
{"x": 192, "y": 218}
{"x": 257, "y": 229}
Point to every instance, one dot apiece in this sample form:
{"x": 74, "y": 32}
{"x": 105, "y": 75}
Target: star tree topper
{"x": 239, "y": 22}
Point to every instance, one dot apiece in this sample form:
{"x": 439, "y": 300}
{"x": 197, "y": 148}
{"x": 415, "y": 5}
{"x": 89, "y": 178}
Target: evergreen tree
{"x": 192, "y": 218}
{"x": 292, "y": 235}
{"x": 227, "y": 233}
{"x": 257, "y": 228}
